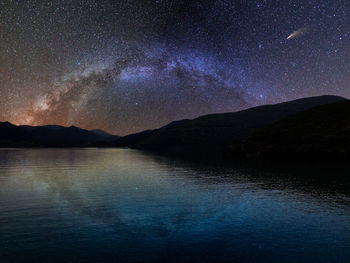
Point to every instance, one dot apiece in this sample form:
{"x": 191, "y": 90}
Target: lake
{"x": 121, "y": 205}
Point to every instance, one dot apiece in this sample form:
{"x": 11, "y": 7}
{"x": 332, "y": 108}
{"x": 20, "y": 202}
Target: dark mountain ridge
{"x": 320, "y": 134}
{"x": 210, "y": 135}
{"x": 104, "y": 134}
{"x": 14, "y": 136}
{"x": 49, "y": 136}
{"x": 206, "y": 136}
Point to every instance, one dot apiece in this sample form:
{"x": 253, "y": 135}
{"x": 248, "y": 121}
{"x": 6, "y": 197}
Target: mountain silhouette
{"x": 210, "y": 135}
{"x": 50, "y": 136}
{"x": 315, "y": 135}
{"x": 106, "y": 135}
{"x": 14, "y": 136}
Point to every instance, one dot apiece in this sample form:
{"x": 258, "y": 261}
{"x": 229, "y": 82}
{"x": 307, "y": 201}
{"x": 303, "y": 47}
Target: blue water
{"x": 116, "y": 205}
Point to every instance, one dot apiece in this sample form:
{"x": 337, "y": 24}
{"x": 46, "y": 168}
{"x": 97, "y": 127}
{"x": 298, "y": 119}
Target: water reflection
{"x": 130, "y": 206}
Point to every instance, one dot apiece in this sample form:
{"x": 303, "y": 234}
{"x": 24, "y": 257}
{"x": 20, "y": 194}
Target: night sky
{"x": 125, "y": 66}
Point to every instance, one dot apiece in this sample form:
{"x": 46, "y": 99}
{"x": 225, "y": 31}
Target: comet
{"x": 298, "y": 33}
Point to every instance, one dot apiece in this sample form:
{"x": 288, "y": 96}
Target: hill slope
{"x": 211, "y": 134}
{"x": 105, "y": 135}
{"x": 14, "y": 136}
{"x": 318, "y": 134}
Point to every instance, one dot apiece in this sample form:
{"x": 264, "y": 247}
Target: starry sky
{"x": 130, "y": 65}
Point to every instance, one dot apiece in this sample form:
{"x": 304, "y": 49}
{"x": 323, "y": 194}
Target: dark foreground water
{"x": 113, "y": 205}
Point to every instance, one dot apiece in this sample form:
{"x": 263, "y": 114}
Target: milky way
{"x": 126, "y": 66}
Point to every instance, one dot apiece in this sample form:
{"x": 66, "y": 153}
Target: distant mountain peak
{"x": 102, "y": 133}
{"x": 50, "y": 136}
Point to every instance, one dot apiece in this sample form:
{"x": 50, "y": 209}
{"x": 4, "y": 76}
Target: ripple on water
{"x": 123, "y": 205}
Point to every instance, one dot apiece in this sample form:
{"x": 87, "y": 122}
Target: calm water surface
{"x": 116, "y": 205}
